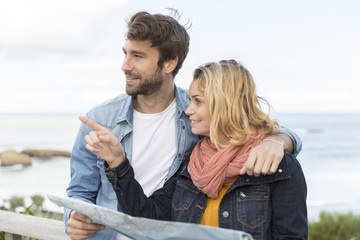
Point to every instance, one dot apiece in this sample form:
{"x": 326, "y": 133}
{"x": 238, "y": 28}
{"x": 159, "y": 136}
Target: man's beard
{"x": 147, "y": 85}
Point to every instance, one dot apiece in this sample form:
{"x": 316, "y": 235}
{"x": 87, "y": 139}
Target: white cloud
{"x": 303, "y": 55}
{"x": 32, "y": 28}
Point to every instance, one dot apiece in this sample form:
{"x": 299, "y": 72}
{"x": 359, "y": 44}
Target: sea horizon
{"x": 330, "y": 156}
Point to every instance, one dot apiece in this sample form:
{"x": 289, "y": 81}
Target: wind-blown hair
{"x": 230, "y": 93}
{"x": 164, "y": 32}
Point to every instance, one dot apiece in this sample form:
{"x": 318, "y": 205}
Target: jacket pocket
{"x": 252, "y": 205}
{"x": 182, "y": 201}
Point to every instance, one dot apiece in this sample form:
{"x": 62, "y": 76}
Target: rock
{"x": 11, "y": 157}
{"x": 45, "y": 153}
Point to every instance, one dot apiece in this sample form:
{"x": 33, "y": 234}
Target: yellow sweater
{"x": 211, "y": 214}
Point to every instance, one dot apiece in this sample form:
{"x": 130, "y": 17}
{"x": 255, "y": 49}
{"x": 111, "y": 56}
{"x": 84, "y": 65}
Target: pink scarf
{"x": 211, "y": 168}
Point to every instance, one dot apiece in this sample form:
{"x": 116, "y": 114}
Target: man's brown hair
{"x": 164, "y": 32}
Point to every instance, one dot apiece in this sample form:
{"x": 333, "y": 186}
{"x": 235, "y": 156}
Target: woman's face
{"x": 198, "y": 111}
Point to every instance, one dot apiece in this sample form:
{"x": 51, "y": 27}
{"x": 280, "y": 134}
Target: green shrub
{"x": 334, "y": 226}
{"x": 16, "y": 202}
{"x": 29, "y": 210}
{"x": 37, "y": 200}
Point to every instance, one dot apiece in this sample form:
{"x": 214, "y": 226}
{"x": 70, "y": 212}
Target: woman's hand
{"x": 103, "y": 143}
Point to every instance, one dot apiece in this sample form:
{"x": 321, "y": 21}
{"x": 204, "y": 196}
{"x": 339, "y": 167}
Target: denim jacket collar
{"x": 182, "y": 101}
{"x": 126, "y": 113}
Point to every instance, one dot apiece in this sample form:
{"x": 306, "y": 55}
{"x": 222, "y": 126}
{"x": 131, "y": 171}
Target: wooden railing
{"x": 16, "y": 225}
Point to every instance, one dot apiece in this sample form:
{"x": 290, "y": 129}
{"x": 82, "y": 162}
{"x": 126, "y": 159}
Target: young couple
{"x": 145, "y": 158}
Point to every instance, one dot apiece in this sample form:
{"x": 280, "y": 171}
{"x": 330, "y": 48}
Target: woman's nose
{"x": 189, "y": 110}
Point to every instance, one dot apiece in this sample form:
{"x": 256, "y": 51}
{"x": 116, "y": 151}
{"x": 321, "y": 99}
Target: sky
{"x": 66, "y": 56}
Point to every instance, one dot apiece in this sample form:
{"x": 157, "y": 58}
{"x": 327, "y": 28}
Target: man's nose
{"x": 126, "y": 66}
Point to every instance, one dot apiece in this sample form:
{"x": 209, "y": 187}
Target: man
{"x": 150, "y": 122}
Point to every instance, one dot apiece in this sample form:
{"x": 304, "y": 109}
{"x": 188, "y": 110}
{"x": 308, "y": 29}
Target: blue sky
{"x": 65, "y": 56}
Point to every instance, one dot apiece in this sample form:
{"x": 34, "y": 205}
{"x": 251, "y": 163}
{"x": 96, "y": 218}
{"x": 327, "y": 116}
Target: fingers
{"x": 265, "y": 168}
{"x": 79, "y": 217}
{"x": 109, "y": 138}
{"x": 263, "y": 159}
{"x": 275, "y": 164}
{"x": 250, "y": 163}
{"x": 264, "y": 163}
{"x": 91, "y": 123}
{"x": 82, "y": 230}
{"x": 93, "y": 140}
{"x": 104, "y": 144}
{"x": 100, "y": 134}
{"x": 243, "y": 170}
{"x": 80, "y": 226}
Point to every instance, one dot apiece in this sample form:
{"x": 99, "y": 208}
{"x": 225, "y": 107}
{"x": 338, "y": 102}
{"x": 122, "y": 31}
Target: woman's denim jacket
{"x": 267, "y": 207}
{"x": 88, "y": 181}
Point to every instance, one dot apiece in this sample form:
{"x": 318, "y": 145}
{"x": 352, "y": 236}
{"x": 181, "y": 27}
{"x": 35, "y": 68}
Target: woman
{"x": 208, "y": 189}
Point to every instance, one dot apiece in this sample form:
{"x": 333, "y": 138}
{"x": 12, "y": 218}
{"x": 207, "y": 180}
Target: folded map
{"x": 147, "y": 229}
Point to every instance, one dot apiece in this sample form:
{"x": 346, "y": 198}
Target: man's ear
{"x": 170, "y": 65}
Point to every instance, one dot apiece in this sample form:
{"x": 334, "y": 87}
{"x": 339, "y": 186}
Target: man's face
{"x": 143, "y": 76}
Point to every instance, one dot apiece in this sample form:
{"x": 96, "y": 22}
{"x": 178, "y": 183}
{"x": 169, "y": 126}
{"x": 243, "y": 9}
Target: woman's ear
{"x": 170, "y": 65}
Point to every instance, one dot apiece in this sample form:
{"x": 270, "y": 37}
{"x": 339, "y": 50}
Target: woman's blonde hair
{"x": 230, "y": 93}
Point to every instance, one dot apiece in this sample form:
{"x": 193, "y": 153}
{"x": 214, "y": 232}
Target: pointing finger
{"x": 91, "y": 123}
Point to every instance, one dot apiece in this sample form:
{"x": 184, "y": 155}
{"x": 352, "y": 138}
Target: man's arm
{"x": 292, "y": 142}
{"x": 283, "y": 140}
{"x": 266, "y": 157}
{"x": 84, "y": 184}
{"x": 120, "y": 173}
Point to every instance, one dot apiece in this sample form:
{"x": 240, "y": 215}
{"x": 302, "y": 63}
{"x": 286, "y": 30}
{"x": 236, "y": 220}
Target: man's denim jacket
{"x": 267, "y": 207}
{"x": 88, "y": 181}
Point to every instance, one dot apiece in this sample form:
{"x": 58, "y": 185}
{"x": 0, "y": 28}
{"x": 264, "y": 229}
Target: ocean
{"x": 330, "y": 157}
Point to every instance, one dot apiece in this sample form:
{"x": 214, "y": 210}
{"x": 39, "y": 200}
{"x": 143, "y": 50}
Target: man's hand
{"x": 266, "y": 157}
{"x": 103, "y": 143}
{"x": 80, "y": 226}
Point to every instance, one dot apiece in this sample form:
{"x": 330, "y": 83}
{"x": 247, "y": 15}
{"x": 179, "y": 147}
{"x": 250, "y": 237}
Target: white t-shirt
{"x": 153, "y": 149}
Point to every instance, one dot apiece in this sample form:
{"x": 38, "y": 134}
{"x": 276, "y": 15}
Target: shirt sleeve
{"x": 294, "y": 137}
{"x": 85, "y": 176}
